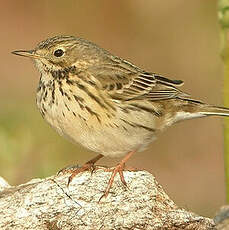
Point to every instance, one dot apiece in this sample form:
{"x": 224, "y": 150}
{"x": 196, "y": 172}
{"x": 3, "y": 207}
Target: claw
{"x": 74, "y": 170}
{"x": 90, "y": 166}
{"x": 67, "y": 169}
{"x": 118, "y": 169}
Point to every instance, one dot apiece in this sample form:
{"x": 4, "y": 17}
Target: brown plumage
{"x": 104, "y": 102}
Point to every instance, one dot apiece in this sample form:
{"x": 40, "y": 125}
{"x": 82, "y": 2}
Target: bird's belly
{"x": 113, "y": 139}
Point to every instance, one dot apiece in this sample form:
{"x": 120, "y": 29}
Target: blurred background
{"x": 179, "y": 39}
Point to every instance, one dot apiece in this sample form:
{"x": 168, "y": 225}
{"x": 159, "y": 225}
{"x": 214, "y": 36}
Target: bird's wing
{"x": 127, "y": 82}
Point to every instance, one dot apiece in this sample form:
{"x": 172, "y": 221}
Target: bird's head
{"x": 61, "y": 52}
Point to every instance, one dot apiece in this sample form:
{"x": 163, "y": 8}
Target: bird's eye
{"x": 58, "y": 53}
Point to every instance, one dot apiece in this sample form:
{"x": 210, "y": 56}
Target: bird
{"x": 106, "y": 103}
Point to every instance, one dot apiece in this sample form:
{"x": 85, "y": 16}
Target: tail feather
{"x": 210, "y": 110}
{"x": 190, "y": 109}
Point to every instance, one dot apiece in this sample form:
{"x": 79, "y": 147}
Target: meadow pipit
{"x": 105, "y": 103}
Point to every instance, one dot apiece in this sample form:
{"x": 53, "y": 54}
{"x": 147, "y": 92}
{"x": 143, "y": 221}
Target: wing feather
{"x": 124, "y": 81}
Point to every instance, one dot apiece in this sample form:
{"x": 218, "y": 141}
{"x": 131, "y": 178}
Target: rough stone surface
{"x": 3, "y": 184}
{"x": 50, "y": 204}
{"x": 222, "y": 218}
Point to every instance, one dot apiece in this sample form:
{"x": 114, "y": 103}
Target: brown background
{"x": 176, "y": 38}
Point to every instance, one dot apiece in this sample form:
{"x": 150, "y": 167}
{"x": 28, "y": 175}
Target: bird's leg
{"x": 91, "y": 163}
{"x": 118, "y": 169}
{"x": 88, "y": 166}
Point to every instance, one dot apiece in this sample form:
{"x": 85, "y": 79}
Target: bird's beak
{"x": 26, "y": 53}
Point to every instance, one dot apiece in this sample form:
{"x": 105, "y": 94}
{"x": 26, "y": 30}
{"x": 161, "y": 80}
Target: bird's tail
{"x": 211, "y": 110}
{"x": 194, "y": 109}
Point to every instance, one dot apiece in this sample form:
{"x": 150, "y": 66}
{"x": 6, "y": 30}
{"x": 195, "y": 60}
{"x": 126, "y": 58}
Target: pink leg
{"x": 118, "y": 169}
{"x": 88, "y": 166}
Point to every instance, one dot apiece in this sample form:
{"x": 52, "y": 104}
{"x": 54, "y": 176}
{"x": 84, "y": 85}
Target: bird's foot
{"x": 74, "y": 170}
{"x": 68, "y": 169}
{"x": 86, "y": 167}
{"x": 118, "y": 169}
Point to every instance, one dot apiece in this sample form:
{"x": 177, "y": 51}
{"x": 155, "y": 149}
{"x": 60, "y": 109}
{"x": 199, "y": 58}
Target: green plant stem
{"x": 223, "y": 14}
{"x": 226, "y": 127}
